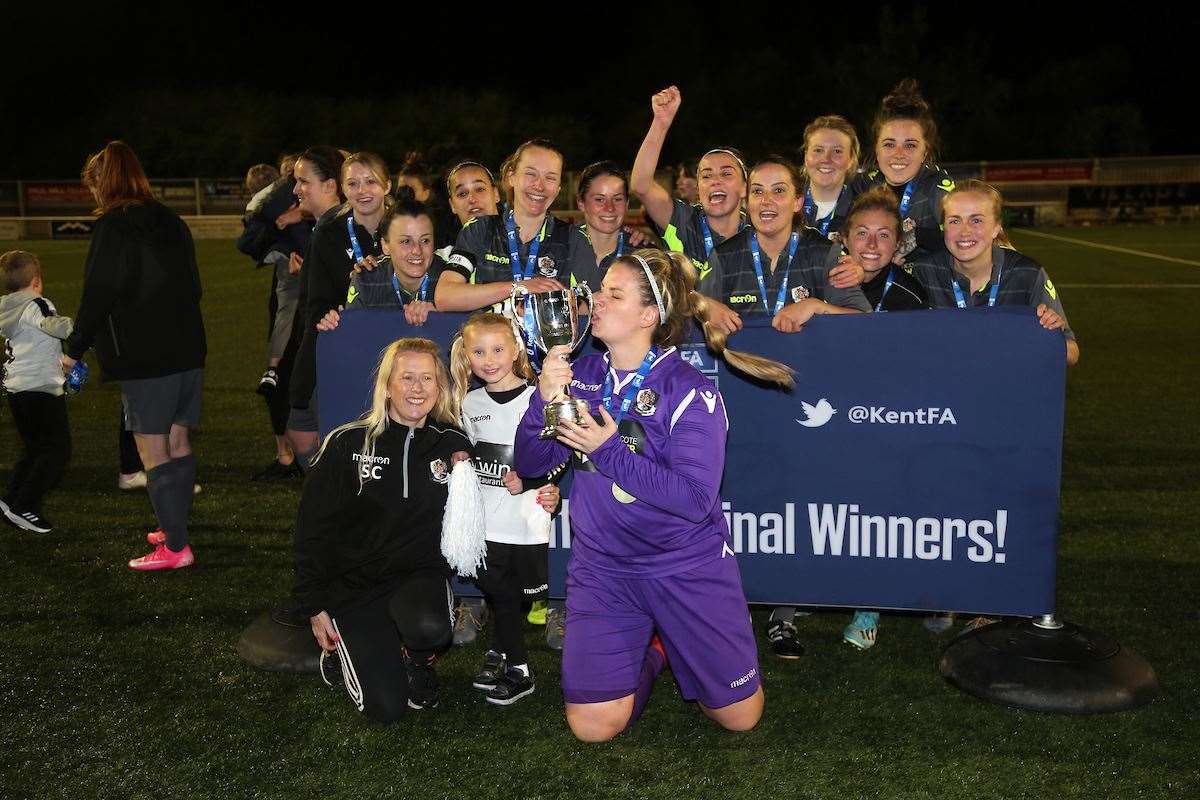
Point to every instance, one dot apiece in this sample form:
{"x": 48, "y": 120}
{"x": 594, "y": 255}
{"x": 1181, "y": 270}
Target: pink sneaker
{"x": 156, "y": 537}
{"x": 162, "y": 558}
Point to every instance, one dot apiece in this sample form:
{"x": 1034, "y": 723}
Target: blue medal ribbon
{"x": 514, "y": 248}
{"x": 962, "y": 301}
{"x": 631, "y": 390}
{"x": 891, "y": 278}
{"x": 706, "y": 232}
{"x": 810, "y": 211}
{"x": 422, "y": 290}
{"x": 620, "y": 243}
{"x": 793, "y": 243}
{"x": 906, "y": 198}
{"x": 358, "y": 252}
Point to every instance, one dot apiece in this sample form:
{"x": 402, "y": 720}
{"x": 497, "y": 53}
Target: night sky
{"x": 209, "y": 89}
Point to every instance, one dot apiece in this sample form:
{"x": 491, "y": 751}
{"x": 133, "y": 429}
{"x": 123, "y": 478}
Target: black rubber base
{"x": 280, "y": 642}
{"x": 1072, "y": 670}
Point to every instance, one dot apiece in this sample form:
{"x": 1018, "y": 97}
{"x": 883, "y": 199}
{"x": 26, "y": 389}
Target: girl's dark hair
{"x": 600, "y": 168}
{"x": 793, "y": 171}
{"x": 730, "y": 151}
{"x": 327, "y": 163}
{"x": 462, "y": 165}
{"x": 877, "y": 198}
{"x": 404, "y": 208}
{"x": 906, "y": 102}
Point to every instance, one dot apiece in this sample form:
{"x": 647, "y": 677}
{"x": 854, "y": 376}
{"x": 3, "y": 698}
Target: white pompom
{"x": 463, "y": 535}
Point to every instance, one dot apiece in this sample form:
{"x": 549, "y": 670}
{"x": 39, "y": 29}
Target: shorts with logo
{"x": 153, "y": 405}
{"x": 700, "y": 615}
{"x": 524, "y": 567}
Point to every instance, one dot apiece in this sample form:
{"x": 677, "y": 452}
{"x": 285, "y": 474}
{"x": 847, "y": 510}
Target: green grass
{"x": 118, "y": 684}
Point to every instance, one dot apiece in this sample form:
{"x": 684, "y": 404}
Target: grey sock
{"x": 170, "y": 489}
{"x": 783, "y": 614}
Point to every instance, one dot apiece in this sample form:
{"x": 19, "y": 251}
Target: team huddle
{"x": 651, "y": 583}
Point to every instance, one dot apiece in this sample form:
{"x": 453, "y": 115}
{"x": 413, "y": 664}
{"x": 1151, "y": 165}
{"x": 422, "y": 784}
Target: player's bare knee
{"x": 590, "y": 726}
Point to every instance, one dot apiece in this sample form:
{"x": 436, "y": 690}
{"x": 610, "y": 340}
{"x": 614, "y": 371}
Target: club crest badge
{"x": 439, "y": 471}
{"x": 799, "y": 293}
{"x": 546, "y": 267}
{"x": 622, "y": 496}
{"x": 646, "y": 402}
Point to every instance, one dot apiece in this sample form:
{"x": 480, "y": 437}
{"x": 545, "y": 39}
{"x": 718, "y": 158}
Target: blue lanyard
{"x": 422, "y": 290}
{"x": 810, "y": 211}
{"x": 962, "y": 301}
{"x": 906, "y": 198}
{"x": 621, "y": 243}
{"x": 707, "y": 234}
{"x": 631, "y": 391}
{"x": 514, "y": 248}
{"x": 358, "y": 253}
{"x": 793, "y": 243}
{"x": 888, "y": 285}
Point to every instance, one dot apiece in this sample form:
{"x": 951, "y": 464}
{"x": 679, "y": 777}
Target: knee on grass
{"x": 740, "y": 716}
{"x": 599, "y": 722}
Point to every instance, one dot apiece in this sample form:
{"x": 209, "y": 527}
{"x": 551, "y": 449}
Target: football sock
{"x": 783, "y": 614}
{"x": 170, "y": 488}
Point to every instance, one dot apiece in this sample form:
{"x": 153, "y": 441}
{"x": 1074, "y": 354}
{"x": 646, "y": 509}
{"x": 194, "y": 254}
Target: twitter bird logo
{"x": 817, "y": 415}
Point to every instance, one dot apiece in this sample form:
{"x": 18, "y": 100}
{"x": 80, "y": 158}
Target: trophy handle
{"x": 584, "y": 289}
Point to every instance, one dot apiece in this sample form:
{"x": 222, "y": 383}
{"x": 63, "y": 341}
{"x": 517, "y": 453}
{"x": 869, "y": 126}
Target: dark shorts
{"x": 304, "y": 419}
{"x": 520, "y": 567}
{"x": 700, "y": 615}
{"x": 153, "y": 405}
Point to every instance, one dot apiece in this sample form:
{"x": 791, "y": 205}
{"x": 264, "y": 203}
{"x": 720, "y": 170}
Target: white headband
{"x": 662, "y": 309}
{"x": 731, "y": 154}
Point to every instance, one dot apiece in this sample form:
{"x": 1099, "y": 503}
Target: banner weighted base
{"x": 280, "y": 642}
{"x": 1064, "y": 669}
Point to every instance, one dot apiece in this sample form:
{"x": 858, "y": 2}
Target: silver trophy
{"x": 554, "y": 318}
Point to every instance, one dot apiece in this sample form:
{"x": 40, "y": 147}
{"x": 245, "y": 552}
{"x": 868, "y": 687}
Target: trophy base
{"x": 571, "y": 410}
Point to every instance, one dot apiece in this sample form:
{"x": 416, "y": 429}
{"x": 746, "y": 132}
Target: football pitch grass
{"x": 120, "y": 684}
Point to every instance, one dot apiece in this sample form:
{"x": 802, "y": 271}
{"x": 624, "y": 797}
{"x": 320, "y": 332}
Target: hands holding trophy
{"x": 547, "y": 320}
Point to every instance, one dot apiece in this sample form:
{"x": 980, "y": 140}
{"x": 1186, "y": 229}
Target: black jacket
{"x": 141, "y": 296}
{"x": 324, "y": 283}
{"x": 353, "y": 546}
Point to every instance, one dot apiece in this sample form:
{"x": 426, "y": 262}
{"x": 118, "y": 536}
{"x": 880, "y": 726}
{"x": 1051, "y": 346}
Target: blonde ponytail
{"x": 676, "y": 278}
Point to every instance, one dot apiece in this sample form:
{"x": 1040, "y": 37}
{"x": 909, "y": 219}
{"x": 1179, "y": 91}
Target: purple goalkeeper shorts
{"x": 700, "y": 615}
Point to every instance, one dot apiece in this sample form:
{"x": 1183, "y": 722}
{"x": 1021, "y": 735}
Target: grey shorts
{"x": 153, "y": 405}
{"x": 304, "y": 419}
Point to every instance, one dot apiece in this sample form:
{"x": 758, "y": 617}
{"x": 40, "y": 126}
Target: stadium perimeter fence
{"x": 1056, "y": 192}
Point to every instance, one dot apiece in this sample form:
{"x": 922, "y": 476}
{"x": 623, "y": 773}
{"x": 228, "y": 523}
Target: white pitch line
{"x": 1128, "y": 285}
{"x": 1109, "y": 247}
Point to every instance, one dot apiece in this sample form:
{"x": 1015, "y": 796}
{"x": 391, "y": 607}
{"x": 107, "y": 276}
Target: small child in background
{"x": 33, "y": 382}
{"x": 516, "y": 511}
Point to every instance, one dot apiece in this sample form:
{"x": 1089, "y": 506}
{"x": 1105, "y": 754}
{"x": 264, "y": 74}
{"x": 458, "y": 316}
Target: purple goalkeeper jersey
{"x": 646, "y": 503}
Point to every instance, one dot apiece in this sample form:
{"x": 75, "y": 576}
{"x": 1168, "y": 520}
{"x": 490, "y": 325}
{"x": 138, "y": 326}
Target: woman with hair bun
{"x": 905, "y": 156}
{"x": 652, "y": 576}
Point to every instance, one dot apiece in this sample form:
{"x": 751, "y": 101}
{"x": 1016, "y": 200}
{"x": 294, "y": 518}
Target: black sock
{"x": 171, "y": 504}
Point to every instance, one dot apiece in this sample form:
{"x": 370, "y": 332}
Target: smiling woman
{"x": 648, "y": 578}
{"x": 523, "y": 242}
{"x": 370, "y": 575}
{"x": 778, "y": 267}
{"x": 906, "y": 146}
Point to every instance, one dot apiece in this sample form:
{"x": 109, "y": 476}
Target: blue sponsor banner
{"x": 915, "y": 465}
